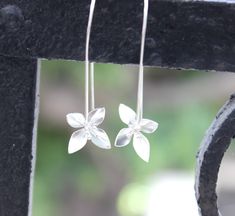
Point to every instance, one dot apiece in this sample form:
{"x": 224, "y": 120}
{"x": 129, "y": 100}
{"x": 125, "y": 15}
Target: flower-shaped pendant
{"x": 140, "y": 142}
{"x": 88, "y": 130}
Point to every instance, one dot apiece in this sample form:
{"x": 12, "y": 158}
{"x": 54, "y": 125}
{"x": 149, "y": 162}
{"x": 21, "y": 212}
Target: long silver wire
{"x": 141, "y": 65}
{"x": 92, "y": 90}
{"x": 91, "y": 14}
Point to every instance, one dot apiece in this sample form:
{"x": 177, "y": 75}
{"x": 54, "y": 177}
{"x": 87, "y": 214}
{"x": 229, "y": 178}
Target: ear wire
{"x": 89, "y": 74}
{"x": 92, "y": 90}
{"x": 141, "y": 65}
{"x": 88, "y": 34}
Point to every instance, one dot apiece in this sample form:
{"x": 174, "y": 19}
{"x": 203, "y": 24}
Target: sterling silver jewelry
{"x": 135, "y": 121}
{"x": 87, "y": 124}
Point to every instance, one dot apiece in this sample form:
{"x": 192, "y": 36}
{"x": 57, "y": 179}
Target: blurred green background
{"x": 116, "y": 182}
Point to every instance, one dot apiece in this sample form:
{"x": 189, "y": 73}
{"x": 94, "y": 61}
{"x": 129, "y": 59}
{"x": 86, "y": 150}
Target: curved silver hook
{"x": 87, "y": 75}
{"x": 141, "y": 65}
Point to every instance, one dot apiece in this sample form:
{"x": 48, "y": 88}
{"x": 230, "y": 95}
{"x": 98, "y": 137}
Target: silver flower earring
{"x": 135, "y": 121}
{"x": 87, "y": 125}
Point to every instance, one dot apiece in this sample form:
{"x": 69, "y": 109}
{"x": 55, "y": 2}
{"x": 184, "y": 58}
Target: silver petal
{"x": 141, "y": 146}
{"x": 100, "y": 138}
{"x": 126, "y": 114}
{"x": 148, "y": 126}
{"x": 77, "y": 141}
{"x": 96, "y": 116}
{"x": 75, "y": 120}
{"x": 124, "y": 137}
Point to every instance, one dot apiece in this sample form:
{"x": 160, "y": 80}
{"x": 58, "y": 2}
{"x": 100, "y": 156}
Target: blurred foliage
{"x": 173, "y": 146}
{"x": 57, "y": 71}
{"x": 133, "y": 199}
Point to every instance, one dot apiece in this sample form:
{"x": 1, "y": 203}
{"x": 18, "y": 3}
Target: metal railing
{"x": 190, "y": 35}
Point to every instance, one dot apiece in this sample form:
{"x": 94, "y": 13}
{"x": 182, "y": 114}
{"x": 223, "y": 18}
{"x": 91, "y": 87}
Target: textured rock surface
{"x": 213, "y": 147}
{"x": 180, "y": 34}
{"x": 17, "y": 95}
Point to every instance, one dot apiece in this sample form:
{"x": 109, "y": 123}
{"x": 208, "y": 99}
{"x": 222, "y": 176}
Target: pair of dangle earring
{"x": 87, "y": 124}
{"x": 137, "y": 125}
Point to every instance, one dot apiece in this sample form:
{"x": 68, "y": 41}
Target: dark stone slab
{"x": 198, "y": 35}
{"x": 213, "y": 147}
{"x": 17, "y": 101}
